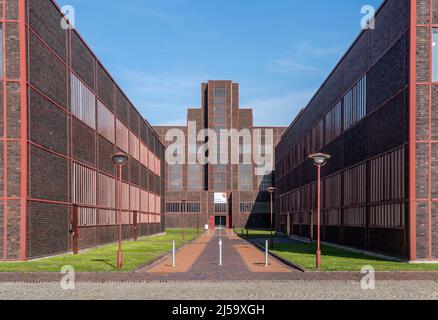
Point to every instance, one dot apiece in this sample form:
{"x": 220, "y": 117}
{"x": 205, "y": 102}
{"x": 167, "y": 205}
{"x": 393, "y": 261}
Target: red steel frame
{"x": 23, "y": 116}
{"x": 23, "y": 128}
{"x": 412, "y": 132}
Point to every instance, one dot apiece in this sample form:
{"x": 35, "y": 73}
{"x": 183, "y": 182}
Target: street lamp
{"x": 271, "y": 191}
{"x": 119, "y": 160}
{"x": 319, "y": 160}
{"x": 184, "y": 201}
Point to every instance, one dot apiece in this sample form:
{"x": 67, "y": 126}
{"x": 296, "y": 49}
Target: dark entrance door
{"x": 220, "y": 222}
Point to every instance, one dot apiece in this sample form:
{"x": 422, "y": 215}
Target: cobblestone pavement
{"x": 258, "y": 290}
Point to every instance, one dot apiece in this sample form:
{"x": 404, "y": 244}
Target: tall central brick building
{"x": 62, "y": 119}
{"x": 226, "y": 194}
{"x": 377, "y": 115}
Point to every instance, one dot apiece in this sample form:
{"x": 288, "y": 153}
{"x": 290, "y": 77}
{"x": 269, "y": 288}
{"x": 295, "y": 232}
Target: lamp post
{"x": 119, "y": 160}
{"x": 271, "y": 191}
{"x": 319, "y": 160}
{"x": 184, "y": 201}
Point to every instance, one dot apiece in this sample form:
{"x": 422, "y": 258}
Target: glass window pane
{"x": 435, "y": 54}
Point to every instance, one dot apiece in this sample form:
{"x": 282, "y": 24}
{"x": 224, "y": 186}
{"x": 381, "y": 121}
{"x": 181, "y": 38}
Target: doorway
{"x": 220, "y": 222}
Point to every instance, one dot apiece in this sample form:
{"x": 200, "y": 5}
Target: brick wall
{"x": 56, "y": 138}
{"x": 383, "y": 56}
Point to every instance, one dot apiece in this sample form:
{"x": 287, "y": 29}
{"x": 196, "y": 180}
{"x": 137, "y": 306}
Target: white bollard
{"x": 220, "y": 252}
{"x": 267, "y": 253}
{"x": 173, "y": 254}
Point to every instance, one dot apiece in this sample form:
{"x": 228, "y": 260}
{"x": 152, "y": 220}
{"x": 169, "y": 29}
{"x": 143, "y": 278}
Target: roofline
{"x": 332, "y": 72}
{"x": 105, "y": 69}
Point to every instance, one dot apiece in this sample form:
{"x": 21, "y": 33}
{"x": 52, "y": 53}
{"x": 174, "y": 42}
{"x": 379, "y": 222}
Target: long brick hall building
{"x": 62, "y": 119}
{"x": 376, "y": 115}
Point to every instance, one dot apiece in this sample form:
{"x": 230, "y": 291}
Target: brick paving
{"x": 185, "y": 257}
{"x": 237, "y": 290}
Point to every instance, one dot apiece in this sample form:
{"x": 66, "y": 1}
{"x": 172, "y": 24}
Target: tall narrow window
{"x": 1, "y": 50}
{"x": 83, "y": 102}
{"x": 435, "y": 55}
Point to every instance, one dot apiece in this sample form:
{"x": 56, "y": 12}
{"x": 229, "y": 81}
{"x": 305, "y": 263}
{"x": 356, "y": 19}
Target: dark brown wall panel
{"x": 47, "y": 73}
{"x": 105, "y": 87}
{"x": 45, "y": 19}
{"x": 47, "y": 123}
{"x": 48, "y": 175}
{"x": 48, "y": 229}
{"x": 106, "y": 151}
{"x": 83, "y": 61}
{"x": 84, "y": 141}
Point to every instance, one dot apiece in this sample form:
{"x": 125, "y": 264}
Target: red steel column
{"x": 75, "y": 230}
{"x": 119, "y": 253}
{"x": 23, "y": 126}
{"x": 412, "y": 132}
{"x": 318, "y": 251}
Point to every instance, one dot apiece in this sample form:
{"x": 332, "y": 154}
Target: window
{"x": 151, "y": 203}
{"x": 245, "y": 177}
{"x": 134, "y": 144}
{"x": 388, "y": 178}
{"x": 83, "y": 102}
{"x": 105, "y": 122}
{"x": 220, "y": 96}
{"x": 435, "y": 55}
{"x": 107, "y": 191}
{"x": 333, "y": 123}
{"x": 143, "y": 155}
{"x": 220, "y": 207}
{"x": 355, "y": 186}
{"x": 125, "y": 196}
{"x": 194, "y": 176}
{"x": 134, "y": 198}
{"x": 1, "y": 51}
{"x": 157, "y": 204}
{"x": 388, "y": 216}
{"x": 178, "y": 207}
{"x": 122, "y": 136}
{"x": 84, "y": 185}
{"x": 157, "y": 167}
{"x": 355, "y": 104}
{"x": 87, "y": 217}
{"x": 175, "y": 177}
{"x": 107, "y": 217}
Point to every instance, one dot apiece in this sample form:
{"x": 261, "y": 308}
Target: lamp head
{"x": 320, "y": 159}
{"x": 120, "y": 158}
{"x": 271, "y": 190}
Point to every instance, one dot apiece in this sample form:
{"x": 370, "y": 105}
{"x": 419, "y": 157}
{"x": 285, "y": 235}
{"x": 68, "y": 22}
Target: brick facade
{"x": 42, "y": 139}
{"x": 255, "y": 198}
{"x": 384, "y": 161}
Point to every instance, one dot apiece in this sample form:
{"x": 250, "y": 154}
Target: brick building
{"x": 228, "y": 193}
{"x": 62, "y": 119}
{"x": 376, "y": 114}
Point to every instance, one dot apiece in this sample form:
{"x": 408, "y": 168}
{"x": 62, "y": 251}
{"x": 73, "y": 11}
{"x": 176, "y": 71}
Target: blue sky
{"x": 279, "y": 51}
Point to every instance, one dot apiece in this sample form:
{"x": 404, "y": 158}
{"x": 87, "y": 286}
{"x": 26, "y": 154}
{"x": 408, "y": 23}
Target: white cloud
{"x": 162, "y": 97}
{"x": 290, "y": 66}
{"x": 305, "y": 58}
{"x": 278, "y": 110}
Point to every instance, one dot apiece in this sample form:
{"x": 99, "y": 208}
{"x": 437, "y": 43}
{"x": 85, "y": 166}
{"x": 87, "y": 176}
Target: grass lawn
{"x": 334, "y": 259}
{"x": 255, "y": 234}
{"x": 135, "y": 254}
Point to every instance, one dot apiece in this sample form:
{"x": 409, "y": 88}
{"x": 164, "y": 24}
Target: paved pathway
{"x": 237, "y": 290}
{"x": 200, "y": 260}
{"x": 185, "y": 257}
